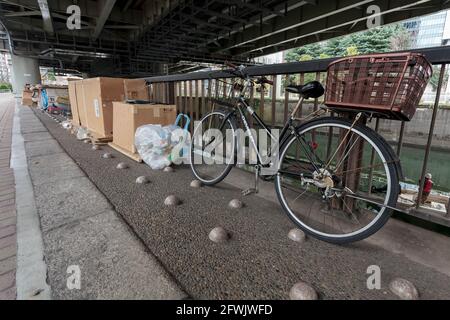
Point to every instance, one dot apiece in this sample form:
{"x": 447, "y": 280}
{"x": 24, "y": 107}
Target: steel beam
{"x": 23, "y": 14}
{"x": 436, "y": 55}
{"x": 105, "y": 7}
{"x": 46, "y": 17}
{"x": 327, "y": 25}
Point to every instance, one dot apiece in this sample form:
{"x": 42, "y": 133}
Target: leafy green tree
{"x": 352, "y": 51}
{"x": 295, "y": 79}
{"x": 435, "y": 78}
{"x": 312, "y": 50}
{"x": 5, "y": 86}
{"x": 305, "y": 57}
{"x": 401, "y": 41}
{"x": 381, "y": 39}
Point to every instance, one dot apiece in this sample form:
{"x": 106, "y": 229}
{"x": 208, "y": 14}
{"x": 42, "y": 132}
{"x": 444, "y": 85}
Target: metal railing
{"x": 190, "y": 93}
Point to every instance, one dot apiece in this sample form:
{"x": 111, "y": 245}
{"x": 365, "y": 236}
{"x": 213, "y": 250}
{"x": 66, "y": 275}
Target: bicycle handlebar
{"x": 238, "y": 71}
{"x": 231, "y": 65}
{"x": 264, "y": 80}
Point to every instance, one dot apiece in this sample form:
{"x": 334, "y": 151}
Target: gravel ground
{"x": 259, "y": 262}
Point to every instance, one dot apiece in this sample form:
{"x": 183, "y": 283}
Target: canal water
{"x": 438, "y": 165}
{"x": 411, "y": 156}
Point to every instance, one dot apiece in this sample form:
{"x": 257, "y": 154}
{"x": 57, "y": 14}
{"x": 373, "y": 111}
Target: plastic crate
{"x": 387, "y": 85}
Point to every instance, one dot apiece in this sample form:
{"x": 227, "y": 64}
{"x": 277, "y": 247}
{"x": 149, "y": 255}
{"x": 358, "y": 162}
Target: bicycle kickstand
{"x": 255, "y": 189}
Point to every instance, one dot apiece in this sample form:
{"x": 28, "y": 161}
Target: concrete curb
{"x": 31, "y": 271}
{"x": 85, "y": 238}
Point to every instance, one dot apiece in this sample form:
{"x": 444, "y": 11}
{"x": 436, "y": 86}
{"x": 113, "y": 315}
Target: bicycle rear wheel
{"x": 337, "y": 182}
{"x": 213, "y": 148}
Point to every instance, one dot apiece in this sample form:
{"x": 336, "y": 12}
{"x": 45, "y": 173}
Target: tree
{"x": 371, "y": 41}
{"x": 308, "y": 77}
{"x": 305, "y": 57}
{"x": 381, "y": 39}
{"x": 5, "y": 86}
{"x": 375, "y": 40}
{"x": 401, "y": 41}
{"x": 352, "y": 51}
{"x": 434, "y": 81}
{"x": 313, "y": 50}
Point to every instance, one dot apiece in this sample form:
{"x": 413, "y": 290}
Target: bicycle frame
{"x": 242, "y": 107}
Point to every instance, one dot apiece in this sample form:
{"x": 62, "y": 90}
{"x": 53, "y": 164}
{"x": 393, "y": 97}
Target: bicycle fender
{"x": 398, "y": 165}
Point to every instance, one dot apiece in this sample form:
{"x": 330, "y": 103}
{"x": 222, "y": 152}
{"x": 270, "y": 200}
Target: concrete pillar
{"x": 24, "y": 71}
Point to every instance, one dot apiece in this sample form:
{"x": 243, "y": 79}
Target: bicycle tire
{"x": 229, "y": 166}
{"x": 392, "y": 169}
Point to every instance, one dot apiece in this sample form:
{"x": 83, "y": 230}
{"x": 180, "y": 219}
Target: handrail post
{"x": 400, "y": 138}
{"x": 430, "y": 135}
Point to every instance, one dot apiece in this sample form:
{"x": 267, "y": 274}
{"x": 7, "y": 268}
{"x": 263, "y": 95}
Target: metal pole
{"x": 372, "y": 158}
{"x": 400, "y": 138}
{"x": 197, "y": 100}
{"x": 286, "y": 99}
{"x": 430, "y": 135}
{"x": 274, "y": 100}
{"x": 202, "y": 95}
{"x": 252, "y": 103}
{"x": 191, "y": 104}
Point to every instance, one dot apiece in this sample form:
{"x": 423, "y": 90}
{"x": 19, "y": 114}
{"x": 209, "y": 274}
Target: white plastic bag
{"x": 66, "y": 125}
{"x": 82, "y": 134}
{"x": 160, "y": 146}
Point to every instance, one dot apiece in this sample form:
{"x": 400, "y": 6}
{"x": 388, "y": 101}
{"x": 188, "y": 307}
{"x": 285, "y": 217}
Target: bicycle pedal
{"x": 249, "y": 191}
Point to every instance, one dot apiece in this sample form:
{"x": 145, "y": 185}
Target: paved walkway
{"x": 81, "y": 199}
{"x": 68, "y": 233}
{"x": 259, "y": 261}
{"x": 7, "y": 203}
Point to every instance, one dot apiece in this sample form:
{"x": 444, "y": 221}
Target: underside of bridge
{"x": 147, "y": 37}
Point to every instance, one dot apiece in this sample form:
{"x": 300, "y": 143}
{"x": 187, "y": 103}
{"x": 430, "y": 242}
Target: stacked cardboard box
{"x": 74, "y": 103}
{"x": 128, "y": 117}
{"x": 99, "y": 94}
{"x": 92, "y": 104}
{"x": 97, "y": 105}
{"x": 79, "y": 93}
{"x": 136, "y": 89}
{"x": 27, "y": 98}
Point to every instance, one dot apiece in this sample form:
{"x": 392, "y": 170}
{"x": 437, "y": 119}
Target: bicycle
{"x": 336, "y": 178}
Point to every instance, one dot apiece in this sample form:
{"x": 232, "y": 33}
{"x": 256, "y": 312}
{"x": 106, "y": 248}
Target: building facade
{"x": 429, "y": 31}
{"x": 5, "y": 67}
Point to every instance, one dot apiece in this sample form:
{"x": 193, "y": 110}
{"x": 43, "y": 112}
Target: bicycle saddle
{"x": 313, "y": 89}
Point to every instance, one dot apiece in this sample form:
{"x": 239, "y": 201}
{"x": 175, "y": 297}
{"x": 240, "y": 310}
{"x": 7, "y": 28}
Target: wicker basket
{"x": 388, "y": 85}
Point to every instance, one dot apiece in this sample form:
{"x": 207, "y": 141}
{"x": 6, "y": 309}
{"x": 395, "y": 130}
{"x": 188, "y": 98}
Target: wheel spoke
{"x": 331, "y": 201}
{"x": 211, "y": 156}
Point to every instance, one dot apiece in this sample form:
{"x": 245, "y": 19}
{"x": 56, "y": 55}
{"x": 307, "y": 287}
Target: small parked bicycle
{"x": 336, "y": 178}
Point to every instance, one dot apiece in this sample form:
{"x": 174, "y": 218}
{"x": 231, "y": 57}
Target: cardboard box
{"x": 79, "y": 93}
{"x": 98, "y": 97}
{"x": 27, "y": 98}
{"x": 136, "y": 89}
{"x": 128, "y": 117}
{"x": 74, "y": 103}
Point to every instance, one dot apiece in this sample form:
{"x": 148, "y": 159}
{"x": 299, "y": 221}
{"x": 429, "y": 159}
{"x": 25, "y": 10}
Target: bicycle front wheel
{"x": 213, "y": 148}
{"x": 336, "y": 181}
